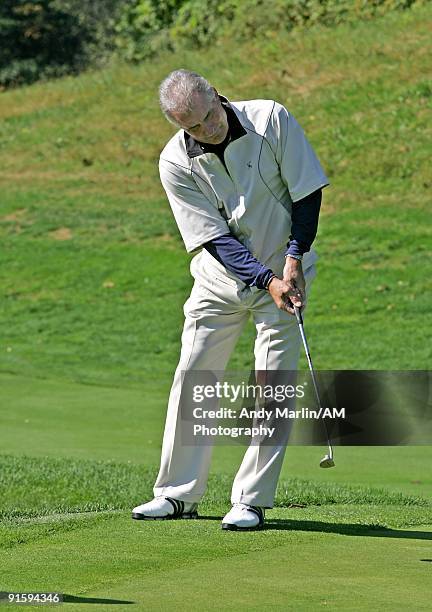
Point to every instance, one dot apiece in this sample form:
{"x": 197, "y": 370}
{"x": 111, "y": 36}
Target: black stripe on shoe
{"x": 259, "y": 512}
{"x": 176, "y": 504}
{"x": 179, "y": 507}
{"x": 179, "y": 513}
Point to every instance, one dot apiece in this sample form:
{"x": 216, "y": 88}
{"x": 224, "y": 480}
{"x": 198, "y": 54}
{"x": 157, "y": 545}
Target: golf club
{"x": 327, "y": 461}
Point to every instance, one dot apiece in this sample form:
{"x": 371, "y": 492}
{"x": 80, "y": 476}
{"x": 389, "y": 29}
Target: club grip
{"x": 298, "y": 315}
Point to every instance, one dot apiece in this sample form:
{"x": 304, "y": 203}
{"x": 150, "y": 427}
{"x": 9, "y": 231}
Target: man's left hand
{"x": 293, "y": 276}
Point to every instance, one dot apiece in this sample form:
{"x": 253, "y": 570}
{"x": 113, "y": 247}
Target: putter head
{"x": 327, "y": 462}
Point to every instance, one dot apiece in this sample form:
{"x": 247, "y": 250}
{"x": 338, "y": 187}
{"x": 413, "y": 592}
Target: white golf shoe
{"x": 164, "y": 508}
{"x": 242, "y": 517}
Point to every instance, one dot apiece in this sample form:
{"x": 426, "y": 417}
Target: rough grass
{"x": 34, "y": 488}
{"x": 47, "y": 499}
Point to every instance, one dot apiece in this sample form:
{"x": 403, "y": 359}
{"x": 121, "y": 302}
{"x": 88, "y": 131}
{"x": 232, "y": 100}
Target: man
{"x": 245, "y": 188}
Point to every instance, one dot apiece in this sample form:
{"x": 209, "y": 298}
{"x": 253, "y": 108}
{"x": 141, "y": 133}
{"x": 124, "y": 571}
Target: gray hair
{"x": 177, "y": 90}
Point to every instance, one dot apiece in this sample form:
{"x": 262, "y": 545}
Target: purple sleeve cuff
{"x": 236, "y": 258}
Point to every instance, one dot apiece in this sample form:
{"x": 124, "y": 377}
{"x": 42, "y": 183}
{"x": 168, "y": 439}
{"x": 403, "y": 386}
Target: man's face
{"x": 207, "y": 122}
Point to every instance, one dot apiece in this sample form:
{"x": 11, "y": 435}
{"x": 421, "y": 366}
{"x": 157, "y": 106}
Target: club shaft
{"x": 311, "y": 368}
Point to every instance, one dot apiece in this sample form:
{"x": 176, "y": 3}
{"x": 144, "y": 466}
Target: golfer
{"x": 244, "y": 185}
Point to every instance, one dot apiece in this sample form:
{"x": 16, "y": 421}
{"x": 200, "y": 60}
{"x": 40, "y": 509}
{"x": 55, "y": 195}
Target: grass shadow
{"x": 93, "y": 600}
{"x": 351, "y": 529}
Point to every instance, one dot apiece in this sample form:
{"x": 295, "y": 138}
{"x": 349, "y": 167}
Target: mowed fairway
{"x": 93, "y": 277}
{"x": 330, "y": 541}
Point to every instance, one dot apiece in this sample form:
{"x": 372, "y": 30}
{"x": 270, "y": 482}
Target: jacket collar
{"x": 235, "y": 129}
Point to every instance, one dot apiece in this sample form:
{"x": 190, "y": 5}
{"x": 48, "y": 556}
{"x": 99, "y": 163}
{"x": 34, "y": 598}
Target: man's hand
{"x": 291, "y": 289}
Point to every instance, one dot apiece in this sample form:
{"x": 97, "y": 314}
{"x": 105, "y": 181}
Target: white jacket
{"x": 269, "y": 167}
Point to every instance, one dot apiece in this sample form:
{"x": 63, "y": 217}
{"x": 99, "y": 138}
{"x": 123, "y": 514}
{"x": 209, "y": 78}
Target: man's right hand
{"x": 284, "y": 295}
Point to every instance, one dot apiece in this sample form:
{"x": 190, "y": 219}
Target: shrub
{"x": 201, "y": 22}
{"x": 142, "y": 27}
{"x": 49, "y": 38}
{"x": 148, "y": 26}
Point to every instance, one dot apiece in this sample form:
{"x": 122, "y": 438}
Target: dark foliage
{"x": 49, "y": 38}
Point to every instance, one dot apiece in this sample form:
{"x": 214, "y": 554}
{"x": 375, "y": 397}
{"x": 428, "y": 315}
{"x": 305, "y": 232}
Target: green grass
{"x": 70, "y": 520}
{"x": 79, "y": 457}
{"x": 94, "y": 275}
{"x": 90, "y": 252}
{"x": 36, "y": 487}
{"x": 299, "y": 562}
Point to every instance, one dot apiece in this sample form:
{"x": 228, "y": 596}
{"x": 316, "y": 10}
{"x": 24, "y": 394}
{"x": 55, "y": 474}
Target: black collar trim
{"x": 235, "y": 130}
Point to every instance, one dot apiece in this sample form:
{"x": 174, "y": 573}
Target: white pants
{"x": 216, "y": 312}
